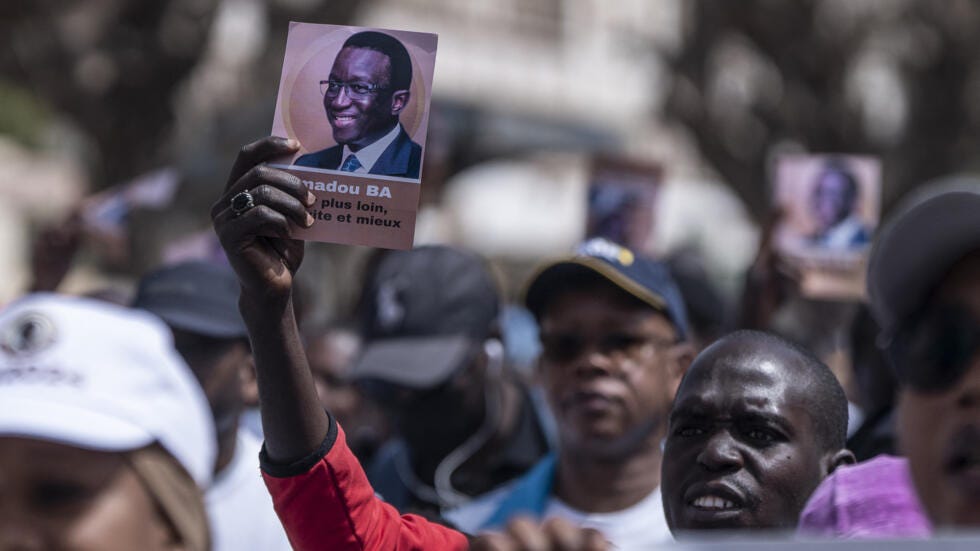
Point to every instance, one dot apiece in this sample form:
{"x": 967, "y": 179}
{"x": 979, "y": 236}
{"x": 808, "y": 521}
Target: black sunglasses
{"x": 934, "y": 351}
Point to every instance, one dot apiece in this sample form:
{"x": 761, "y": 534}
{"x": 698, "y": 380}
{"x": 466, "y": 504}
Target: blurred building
{"x": 544, "y": 85}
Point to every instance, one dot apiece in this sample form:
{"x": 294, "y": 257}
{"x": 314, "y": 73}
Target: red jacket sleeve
{"x": 326, "y": 502}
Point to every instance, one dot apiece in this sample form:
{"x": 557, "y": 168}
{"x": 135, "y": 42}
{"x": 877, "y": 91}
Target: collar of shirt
{"x": 368, "y": 155}
{"x": 842, "y": 235}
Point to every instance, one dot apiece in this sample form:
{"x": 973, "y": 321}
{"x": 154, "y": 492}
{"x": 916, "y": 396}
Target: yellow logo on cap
{"x": 603, "y": 248}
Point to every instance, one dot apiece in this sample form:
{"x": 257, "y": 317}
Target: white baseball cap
{"x": 99, "y": 376}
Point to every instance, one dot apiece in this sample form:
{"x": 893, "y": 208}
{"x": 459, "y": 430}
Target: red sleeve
{"x": 326, "y": 502}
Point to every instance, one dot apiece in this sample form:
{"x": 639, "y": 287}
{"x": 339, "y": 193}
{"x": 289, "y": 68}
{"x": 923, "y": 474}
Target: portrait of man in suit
{"x": 363, "y": 96}
{"x": 833, "y": 202}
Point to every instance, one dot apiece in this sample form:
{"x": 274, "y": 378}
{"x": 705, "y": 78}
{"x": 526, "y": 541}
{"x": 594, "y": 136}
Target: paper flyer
{"x": 357, "y": 100}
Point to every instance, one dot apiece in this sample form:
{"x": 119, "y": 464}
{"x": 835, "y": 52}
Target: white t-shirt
{"x": 239, "y": 506}
{"x": 640, "y": 527}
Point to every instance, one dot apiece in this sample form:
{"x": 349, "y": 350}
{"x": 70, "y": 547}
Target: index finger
{"x": 257, "y": 152}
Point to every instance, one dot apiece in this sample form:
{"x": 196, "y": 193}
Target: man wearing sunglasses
{"x": 614, "y": 349}
{"x": 924, "y": 284}
{"x": 366, "y": 91}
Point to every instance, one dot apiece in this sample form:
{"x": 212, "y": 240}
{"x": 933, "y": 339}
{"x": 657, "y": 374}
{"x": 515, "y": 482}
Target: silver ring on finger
{"x": 242, "y": 203}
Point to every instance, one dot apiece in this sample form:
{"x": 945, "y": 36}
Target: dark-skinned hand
{"x": 258, "y": 241}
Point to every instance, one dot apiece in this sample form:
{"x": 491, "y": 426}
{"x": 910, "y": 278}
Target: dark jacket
{"x": 402, "y": 158}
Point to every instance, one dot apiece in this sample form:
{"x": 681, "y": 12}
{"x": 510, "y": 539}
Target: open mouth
{"x": 713, "y": 503}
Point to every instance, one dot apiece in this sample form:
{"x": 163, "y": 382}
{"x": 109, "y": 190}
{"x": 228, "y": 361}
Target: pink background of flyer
{"x": 310, "y": 52}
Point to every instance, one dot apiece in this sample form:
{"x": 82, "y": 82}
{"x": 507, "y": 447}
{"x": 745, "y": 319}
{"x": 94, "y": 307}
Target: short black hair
{"x": 401, "y": 62}
{"x": 827, "y": 401}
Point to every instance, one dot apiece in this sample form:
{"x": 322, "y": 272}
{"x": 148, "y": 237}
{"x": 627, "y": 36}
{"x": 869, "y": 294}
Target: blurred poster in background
{"x": 830, "y": 206}
{"x": 622, "y": 197}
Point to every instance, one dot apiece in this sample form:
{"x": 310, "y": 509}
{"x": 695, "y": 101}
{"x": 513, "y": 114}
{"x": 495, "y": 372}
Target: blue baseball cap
{"x": 646, "y": 279}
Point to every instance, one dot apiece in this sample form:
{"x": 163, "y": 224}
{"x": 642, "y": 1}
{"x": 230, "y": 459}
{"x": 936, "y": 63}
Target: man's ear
{"x": 832, "y": 460}
{"x": 681, "y": 356}
{"x": 399, "y": 99}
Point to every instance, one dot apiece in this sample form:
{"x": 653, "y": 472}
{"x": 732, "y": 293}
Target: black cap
{"x": 423, "y": 312}
{"x": 197, "y": 297}
{"x": 930, "y": 230}
{"x": 646, "y": 279}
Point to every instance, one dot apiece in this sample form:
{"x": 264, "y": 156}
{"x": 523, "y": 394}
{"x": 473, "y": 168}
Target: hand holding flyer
{"x": 357, "y": 101}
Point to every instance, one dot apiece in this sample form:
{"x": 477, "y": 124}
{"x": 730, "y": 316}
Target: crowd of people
{"x": 133, "y": 426}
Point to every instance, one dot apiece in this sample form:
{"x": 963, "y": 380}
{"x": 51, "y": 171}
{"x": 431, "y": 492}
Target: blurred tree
{"x": 113, "y": 67}
{"x": 893, "y": 78}
{"x": 108, "y": 66}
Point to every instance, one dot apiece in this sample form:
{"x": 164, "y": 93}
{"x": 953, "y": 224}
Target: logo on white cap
{"x": 26, "y": 334}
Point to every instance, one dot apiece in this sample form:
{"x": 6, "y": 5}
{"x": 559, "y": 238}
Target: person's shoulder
{"x": 528, "y": 495}
{"x": 523, "y": 494}
{"x": 402, "y": 158}
{"x": 862, "y": 236}
{"x": 403, "y": 139}
{"x": 382, "y": 473}
{"x": 879, "y": 471}
{"x": 324, "y": 158}
{"x": 472, "y": 516}
{"x": 872, "y": 498}
{"x": 239, "y": 475}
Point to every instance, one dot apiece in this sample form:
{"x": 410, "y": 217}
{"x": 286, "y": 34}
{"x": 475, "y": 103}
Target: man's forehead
{"x": 726, "y": 403}
{"x": 736, "y": 383}
{"x": 365, "y": 60}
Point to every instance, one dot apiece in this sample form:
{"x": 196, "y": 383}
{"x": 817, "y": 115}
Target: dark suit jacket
{"x": 402, "y": 158}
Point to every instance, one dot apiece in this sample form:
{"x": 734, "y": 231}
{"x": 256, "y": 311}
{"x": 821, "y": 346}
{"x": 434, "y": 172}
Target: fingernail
{"x": 310, "y": 198}
{"x": 291, "y": 143}
{"x": 309, "y": 220}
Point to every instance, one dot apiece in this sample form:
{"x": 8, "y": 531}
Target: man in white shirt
{"x": 199, "y": 302}
{"x": 614, "y": 349}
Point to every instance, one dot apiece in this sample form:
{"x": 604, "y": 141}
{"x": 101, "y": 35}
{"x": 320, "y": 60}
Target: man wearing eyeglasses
{"x": 367, "y": 89}
{"x": 614, "y": 349}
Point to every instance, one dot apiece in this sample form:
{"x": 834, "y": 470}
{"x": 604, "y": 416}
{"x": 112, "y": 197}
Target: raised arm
{"x": 256, "y": 240}
{"x": 318, "y": 488}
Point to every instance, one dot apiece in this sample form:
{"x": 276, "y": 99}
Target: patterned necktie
{"x": 351, "y": 164}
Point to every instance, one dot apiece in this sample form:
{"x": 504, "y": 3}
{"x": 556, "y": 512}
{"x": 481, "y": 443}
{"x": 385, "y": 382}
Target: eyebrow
{"x": 696, "y": 408}
{"x": 768, "y": 419}
{"x": 691, "y": 407}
